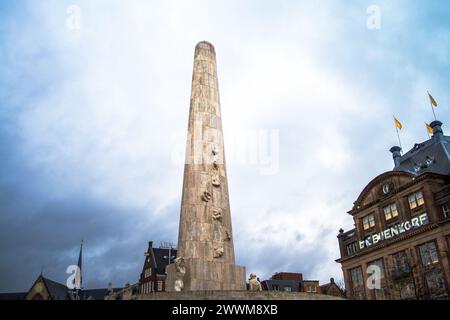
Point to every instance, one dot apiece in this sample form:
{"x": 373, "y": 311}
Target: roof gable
{"x": 382, "y": 186}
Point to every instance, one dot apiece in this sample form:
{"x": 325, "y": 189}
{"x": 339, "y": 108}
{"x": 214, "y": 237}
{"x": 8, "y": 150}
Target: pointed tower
{"x": 205, "y": 239}
{"x": 80, "y": 258}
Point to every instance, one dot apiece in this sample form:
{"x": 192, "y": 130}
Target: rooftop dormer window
{"x": 429, "y": 161}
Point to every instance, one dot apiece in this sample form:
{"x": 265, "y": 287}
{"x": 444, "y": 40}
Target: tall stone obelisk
{"x": 205, "y": 239}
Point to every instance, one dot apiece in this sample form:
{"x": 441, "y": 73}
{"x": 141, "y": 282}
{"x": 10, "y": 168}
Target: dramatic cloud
{"x": 94, "y": 106}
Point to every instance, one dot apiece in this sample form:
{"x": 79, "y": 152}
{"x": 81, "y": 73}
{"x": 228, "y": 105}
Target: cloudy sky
{"x": 94, "y": 108}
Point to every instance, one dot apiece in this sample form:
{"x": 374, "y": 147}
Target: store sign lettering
{"x": 394, "y": 231}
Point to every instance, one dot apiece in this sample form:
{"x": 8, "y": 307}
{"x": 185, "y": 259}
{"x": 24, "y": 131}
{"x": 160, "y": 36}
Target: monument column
{"x": 205, "y": 239}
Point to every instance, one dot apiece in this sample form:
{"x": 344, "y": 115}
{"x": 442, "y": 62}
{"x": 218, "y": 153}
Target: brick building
{"x": 153, "y": 275}
{"x": 331, "y": 289}
{"x": 399, "y": 248}
{"x": 294, "y": 282}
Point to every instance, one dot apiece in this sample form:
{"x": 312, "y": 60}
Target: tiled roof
{"x": 427, "y": 157}
{"x": 161, "y": 257}
{"x": 13, "y": 296}
{"x": 57, "y": 290}
{"x": 432, "y": 155}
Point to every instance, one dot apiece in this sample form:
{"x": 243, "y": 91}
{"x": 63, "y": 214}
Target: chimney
{"x": 437, "y": 130}
{"x": 396, "y": 155}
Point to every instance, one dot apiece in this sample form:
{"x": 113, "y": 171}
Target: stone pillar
{"x": 205, "y": 238}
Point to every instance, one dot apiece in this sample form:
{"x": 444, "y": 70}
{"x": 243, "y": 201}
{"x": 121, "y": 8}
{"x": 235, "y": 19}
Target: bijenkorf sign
{"x": 394, "y": 231}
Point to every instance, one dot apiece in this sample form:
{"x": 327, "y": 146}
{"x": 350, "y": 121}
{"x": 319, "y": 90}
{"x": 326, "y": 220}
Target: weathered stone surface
{"x": 205, "y": 237}
{"x": 234, "y": 295}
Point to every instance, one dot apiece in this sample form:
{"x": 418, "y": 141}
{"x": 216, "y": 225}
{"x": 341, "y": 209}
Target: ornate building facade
{"x": 399, "y": 248}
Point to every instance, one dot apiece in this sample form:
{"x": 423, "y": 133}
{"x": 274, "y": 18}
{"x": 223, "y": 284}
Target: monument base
{"x": 204, "y": 275}
{"x": 234, "y": 295}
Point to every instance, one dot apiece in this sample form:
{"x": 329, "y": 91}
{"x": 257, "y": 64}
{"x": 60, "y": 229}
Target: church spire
{"x": 80, "y": 259}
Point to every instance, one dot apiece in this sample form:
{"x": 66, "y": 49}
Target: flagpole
{"x": 398, "y": 133}
{"x": 398, "y": 136}
{"x": 431, "y": 105}
{"x": 428, "y": 132}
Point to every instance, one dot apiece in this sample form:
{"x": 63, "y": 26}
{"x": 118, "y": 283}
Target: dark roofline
{"x": 414, "y": 180}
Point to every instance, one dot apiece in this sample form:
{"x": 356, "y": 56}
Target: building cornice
{"x": 356, "y": 209}
{"x": 388, "y": 243}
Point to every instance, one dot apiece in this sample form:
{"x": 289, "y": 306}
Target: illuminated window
{"x": 428, "y": 253}
{"x": 446, "y": 210}
{"x": 415, "y": 200}
{"x": 390, "y": 212}
{"x": 357, "y": 277}
{"x": 288, "y": 289}
{"x": 368, "y": 221}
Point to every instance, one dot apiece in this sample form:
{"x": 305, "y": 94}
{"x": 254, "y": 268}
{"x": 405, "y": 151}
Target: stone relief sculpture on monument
{"x": 181, "y": 271}
{"x": 255, "y": 285}
{"x": 218, "y": 252}
{"x": 206, "y": 196}
{"x": 215, "y": 180}
{"x": 217, "y": 214}
{"x": 227, "y": 235}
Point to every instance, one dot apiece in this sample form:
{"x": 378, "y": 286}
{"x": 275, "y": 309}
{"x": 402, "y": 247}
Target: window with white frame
{"x": 390, "y": 212}
{"x": 352, "y": 248}
{"x": 368, "y": 221}
{"x": 428, "y": 253}
{"x": 446, "y": 210}
{"x": 357, "y": 277}
{"x": 416, "y": 200}
{"x": 312, "y": 289}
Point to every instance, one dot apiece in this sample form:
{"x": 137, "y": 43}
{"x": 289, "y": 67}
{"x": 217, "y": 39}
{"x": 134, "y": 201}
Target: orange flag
{"x": 430, "y": 129}
{"x": 432, "y": 100}
{"x": 398, "y": 124}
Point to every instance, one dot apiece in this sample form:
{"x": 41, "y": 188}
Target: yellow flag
{"x": 398, "y": 124}
{"x": 430, "y": 129}
{"x": 432, "y": 101}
